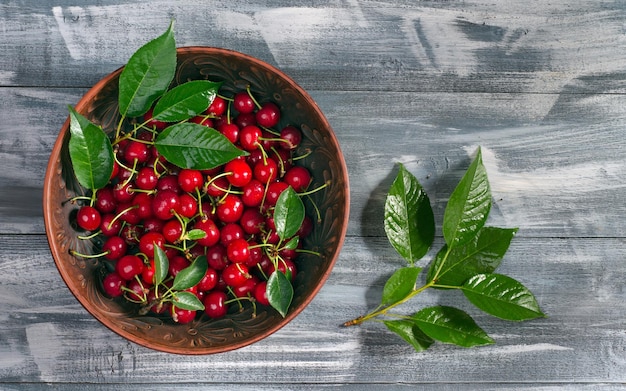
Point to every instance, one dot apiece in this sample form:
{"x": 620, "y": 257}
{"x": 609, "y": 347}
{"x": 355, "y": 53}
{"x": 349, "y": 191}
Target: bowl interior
{"x": 238, "y": 328}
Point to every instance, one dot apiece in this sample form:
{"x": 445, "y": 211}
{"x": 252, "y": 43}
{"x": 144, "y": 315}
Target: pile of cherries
{"x": 151, "y": 202}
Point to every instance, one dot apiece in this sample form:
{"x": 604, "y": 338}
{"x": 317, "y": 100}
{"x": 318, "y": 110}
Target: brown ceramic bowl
{"x": 237, "y": 329}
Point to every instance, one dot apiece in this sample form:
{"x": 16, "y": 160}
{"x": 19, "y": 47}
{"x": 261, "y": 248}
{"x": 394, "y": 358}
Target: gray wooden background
{"x": 540, "y": 85}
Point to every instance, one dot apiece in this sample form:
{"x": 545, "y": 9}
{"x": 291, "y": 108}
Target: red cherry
{"x": 190, "y": 180}
{"x": 230, "y": 131}
{"x": 266, "y": 171}
{"x": 176, "y": 264}
{"x": 88, "y": 218}
{"x": 274, "y": 190}
{"x": 129, "y": 266}
{"x": 238, "y": 251}
{"x": 253, "y": 193}
{"x": 105, "y": 202}
{"x": 247, "y": 288}
{"x": 298, "y": 178}
{"x": 216, "y": 257}
{"x": 260, "y": 293}
{"x": 230, "y": 209}
{"x": 240, "y": 172}
{"x": 146, "y": 179}
{"x": 147, "y": 275}
{"x": 149, "y": 240}
{"x": 182, "y": 316}
{"x": 188, "y": 205}
{"x": 112, "y": 285}
{"x": 212, "y": 232}
{"x": 292, "y": 137}
{"x": 268, "y": 115}
{"x": 165, "y": 204}
{"x": 230, "y": 232}
{"x": 243, "y": 102}
{"x": 152, "y": 123}
{"x": 137, "y": 152}
{"x": 109, "y": 225}
{"x": 209, "y": 281}
{"x": 252, "y": 221}
{"x": 202, "y": 120}
{"x": 115, "y": 247}
{"x": 215, "y": 304}
{"x": 249, "y": 137}
{"x": 217, "y": 107}
{"x": 235, "y": 274}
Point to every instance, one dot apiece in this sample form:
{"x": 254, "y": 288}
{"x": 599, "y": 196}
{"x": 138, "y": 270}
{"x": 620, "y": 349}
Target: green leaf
{"x": 187, "y": 301}
{"x": 409, "y": 221}
{"x": 90, "y": 151}
{"x": 410, "y": 332}
{"x": 196, "y": 234}
{"x": 288, "y": 213}
{"x": 482, "y": 254}
{"x": 190, "y": 145}
{"x": 400, "y": 284}
{"x": 468, "y": 206}
{"x": 191, "y": 275}
{"x": 451, "y": 325}
{"x": 502, "y": 296}
{"x": 185, "y": 101}
{"x": 279, "y": 292}
{"x": 147, "y": 75}
{"x": 292, "y": 244}
{"x": 161, "y": 265}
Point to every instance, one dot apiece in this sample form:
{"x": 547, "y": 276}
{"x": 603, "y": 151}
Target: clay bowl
{"x": 238, "y": 328}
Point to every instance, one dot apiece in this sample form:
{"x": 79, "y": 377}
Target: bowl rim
{"x": 57, "y": 254}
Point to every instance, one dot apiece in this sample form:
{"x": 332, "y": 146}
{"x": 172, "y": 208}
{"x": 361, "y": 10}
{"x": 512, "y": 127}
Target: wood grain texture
{"x": 540, "y": 184}
{"x": 541, "y": 86}
{"x": 48, "y": 337}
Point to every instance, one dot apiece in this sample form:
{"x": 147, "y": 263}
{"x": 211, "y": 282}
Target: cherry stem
{"x": 304, "y": 155}
{"x": 93, "y": 235}
{"x": 119, "y": 127}
{"x": 252, "y": 97}
{"x": 119, "y": 215}
{"x": 383, "y": 311}
{"x": 88, "y": 256}
{"x": 309, "y": 192}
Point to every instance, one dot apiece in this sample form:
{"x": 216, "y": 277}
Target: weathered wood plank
{"x": 555, "y": 165}
{"x": 47, "y": 337}
{"x": 351, "y": 45}
{"x": 321, "y": 387}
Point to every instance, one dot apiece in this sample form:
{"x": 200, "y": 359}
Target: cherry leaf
{"x": 409, "y": 221}
{"x": 408, "y": 330}
{"x": 90, "y": 151}
{"x": 161, "y": 265}
{"x": 400, "y": 284}
{"x": 482, "y": 254}
{"x": 187, "y": 301}
{"x": 190, "y": 145}
{"x": 502, "y": 296}
{"x": 292, "y": 244}
{"x": 191, "y": 275}
{"x": 451, "y": 325}
{"x": 196, "y": 234}
{"x": 468, "y": 206}
{"x": 288, "y": 213}
{"x": 185, "y": 101}
{"x": 279, "y": 292}
{"x": 147, "y": 75}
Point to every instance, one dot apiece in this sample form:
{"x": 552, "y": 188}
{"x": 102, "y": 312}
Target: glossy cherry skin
{"x": 215, "y": 304}
{"x": 88, "y": 218}
{"x": 268, "y": 115}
